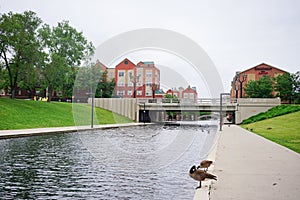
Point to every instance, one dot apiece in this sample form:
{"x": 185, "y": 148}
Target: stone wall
{"x": 247, "y": 107}
{"x": 123, "y": 106}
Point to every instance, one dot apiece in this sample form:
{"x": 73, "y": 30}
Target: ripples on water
{"x": 127, "y": 163}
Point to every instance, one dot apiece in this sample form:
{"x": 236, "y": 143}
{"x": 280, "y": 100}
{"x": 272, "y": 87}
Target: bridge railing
{"x": 206, "y": 101}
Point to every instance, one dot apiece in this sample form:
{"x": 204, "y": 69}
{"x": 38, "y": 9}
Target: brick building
{"x": 189, "y": 93}
{"x": 140, "y": 81}
{"x": 241, "y": 79}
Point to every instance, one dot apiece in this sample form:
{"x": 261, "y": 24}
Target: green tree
{"x": 19, "y": 49}
{"x": 296, "y": 87}
{"x": 251, "y": 89}
{"x": 105, "y": 88}
{"x": 66, "y": 49}
{"x": 262, "y": 88}
{"x": 284, "y": 86}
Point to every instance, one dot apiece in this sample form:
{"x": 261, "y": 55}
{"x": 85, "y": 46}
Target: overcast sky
{"x": 235, "y": 34}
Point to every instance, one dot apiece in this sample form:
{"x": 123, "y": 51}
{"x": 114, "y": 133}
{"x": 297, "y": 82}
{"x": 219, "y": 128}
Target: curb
{"x": 6, "y": 134}
{"x": 204, "y": 191}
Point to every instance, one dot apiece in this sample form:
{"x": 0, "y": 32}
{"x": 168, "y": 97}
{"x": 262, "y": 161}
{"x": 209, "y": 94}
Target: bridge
{"x": 159, "y": 110}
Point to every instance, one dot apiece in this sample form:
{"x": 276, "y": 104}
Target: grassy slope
{"x": 273, "y": 112}
{"x": 22, "y": 114}
{"x": 284, "y": 130}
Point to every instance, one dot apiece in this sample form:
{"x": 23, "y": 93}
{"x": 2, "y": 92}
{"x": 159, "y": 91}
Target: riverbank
{"x": 5, "y": 134}
{"x": 284, "y": 130}
{"x": 27, "y": 114}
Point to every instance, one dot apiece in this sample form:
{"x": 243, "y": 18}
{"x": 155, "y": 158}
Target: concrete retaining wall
{"x": 247, "y": 107}
{"x": 123, "y": 106}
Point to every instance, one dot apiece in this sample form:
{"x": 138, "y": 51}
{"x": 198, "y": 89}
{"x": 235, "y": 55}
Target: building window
{"x": 120, "y": 92}
{"x": 139, "y": 93}
{"x": 148, "y": 73}
{"x": 126, "y": 62}
{"x": 129, "y": 92}
{"x": 149, "y": 84}
{"x": 186, "y": 95}
{"x": 130, "y": 83}
{"x": 120, "y": 83}
{"x": 148, "y": 93}
{"x": 121, "y": 73}
{"x": 139, "y": 84}
{"x": 130, "y": 74}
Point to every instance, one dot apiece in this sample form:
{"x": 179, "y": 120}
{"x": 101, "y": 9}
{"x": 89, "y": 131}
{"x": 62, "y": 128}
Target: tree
{"x": 66, "y": 49}
{"x": 284, "y": 86}
{"x": 19, "y": 48}
{"x": 296, "y": 87}
{"x": 105, "y": 88}
{"x": 251, "y": 89}
{"x": 262, "y": 88}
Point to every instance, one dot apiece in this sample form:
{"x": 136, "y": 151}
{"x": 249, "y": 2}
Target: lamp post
{"x": 154, "y": 87}
{"x": 92, "y": 115}
{"x": 221, "y": 110}
{"x": 241, "y": 81}
{"x": 134, "y": 80}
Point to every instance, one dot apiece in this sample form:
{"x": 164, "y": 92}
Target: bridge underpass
{"x": 157, "y": 110}
{"x": 150, "y": 111}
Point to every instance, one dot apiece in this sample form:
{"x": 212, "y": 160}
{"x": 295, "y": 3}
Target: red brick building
{"x": 140, "y": 81}
{"x": 241, "y": 79}
{"x": 189, "y": 93}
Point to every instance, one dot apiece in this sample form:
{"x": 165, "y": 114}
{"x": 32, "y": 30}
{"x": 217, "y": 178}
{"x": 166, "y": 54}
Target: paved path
{"x": 251, "y": 167}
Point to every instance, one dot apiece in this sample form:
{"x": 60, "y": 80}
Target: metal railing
{"x": 202, "y": 101}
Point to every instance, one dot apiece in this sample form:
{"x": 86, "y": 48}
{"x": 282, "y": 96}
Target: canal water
{"x": 145, "y": 162}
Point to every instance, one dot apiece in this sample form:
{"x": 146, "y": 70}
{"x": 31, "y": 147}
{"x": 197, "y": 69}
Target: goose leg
{"x": 199, "y": 185}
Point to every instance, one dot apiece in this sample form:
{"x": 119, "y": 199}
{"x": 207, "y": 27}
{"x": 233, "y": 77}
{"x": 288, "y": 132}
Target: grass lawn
{"x": 284, "y": 130}
{"x": 23, "y": 114}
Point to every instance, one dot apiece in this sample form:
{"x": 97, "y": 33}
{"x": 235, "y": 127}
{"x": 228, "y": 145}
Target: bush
{"x": 273, "y": 112}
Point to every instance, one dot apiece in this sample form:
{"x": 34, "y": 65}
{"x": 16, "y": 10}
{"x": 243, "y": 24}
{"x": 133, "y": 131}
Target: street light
{"x": 235, "y": 87}
{"x": 154, "y": 87}
{"x": 92, "y": 115}
{"x": 238, "y": 79}
{"x": 221, "y": 111}
{"x": 134, "y": 80}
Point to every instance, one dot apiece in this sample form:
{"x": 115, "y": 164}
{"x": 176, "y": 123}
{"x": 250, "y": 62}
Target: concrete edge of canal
{"x": 203, "y": 193}
{"x": 6, "y": 134}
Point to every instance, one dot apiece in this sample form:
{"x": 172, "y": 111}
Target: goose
{"x": 200, "y": 175}
{"x": 205, "y": 164}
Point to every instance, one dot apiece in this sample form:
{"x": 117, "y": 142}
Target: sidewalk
{"x": 4, "y": 134}
{"x": 251, "y": 167}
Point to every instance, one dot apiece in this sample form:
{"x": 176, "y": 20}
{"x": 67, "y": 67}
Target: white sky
{"x": 235, "y": 34}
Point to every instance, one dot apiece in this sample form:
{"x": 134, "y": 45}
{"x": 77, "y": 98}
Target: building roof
{"x": 101, "y": 65}
{"x": 261, "y": 66}
{"x": 126, "y": 63}
{"x": 159, "y": 91}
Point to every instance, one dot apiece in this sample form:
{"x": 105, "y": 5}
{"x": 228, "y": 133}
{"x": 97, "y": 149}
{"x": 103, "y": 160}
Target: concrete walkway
{"x": 4, "y": 134}
{"x": 251, "y": 167}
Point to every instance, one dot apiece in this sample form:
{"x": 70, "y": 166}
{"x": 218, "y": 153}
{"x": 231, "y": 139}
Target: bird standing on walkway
{"x": 205, "y": 164}
{"x": 200, "y": 175}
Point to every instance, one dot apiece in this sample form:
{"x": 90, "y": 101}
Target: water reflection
{"x": 92, "y": 165}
